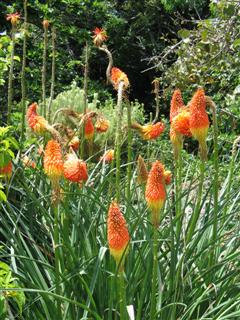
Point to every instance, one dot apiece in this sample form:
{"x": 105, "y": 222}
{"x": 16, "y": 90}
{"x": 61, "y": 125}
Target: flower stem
{"x": 10, "y": 78}
{"x": 178, "y": 183}
{"x": 53, "y": 72}
{"x": 122, "y": 296}
{"x": 44, "y": 68}
{"x": 118, "y": 138}
{"x": 154, "y": 277}
{"x": 23, "y": 82}
{"x": 129, "y": 157}
{"x": 57, "y": 255}
{"x": 215, "y": 183}
{"x": 196, "y": 213}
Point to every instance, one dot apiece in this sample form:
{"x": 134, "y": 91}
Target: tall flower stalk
{"x": 129, "y": 153}
{"x": 23, "y": 82}
{"x": 53, "y": 72}
{"x": 213, "y": 108}
{"x": 44, "y": 66}
{"x": 13, "y": 18}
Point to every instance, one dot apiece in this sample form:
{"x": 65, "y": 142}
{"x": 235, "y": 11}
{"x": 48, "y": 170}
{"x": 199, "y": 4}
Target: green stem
{"x": 149, "y": 144}
{"x": 196, "y": 213}
{"x": 178, "y": 182}
{"x": 85, "y": 95}
{"x": 122, "y": 296}
{"x": 57, "y": 256}
{"x": 10, "y": 79}
{"x": 154, "y": 277}
{"x": 215, "y": 183}
{"x": 129, "y": 158}
{"x": 118, "y": 138}
{"x": 53, "y": 72}
{"x": 44, "y": 67}
{"x": 23, "y": 82}
{"x": 230, "y": 179}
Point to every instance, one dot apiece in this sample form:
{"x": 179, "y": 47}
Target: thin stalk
{"x": 10, "y": 78}
{"x": 85, "y": 95}
{"x": 196, "y": 213}
{"x": 129, "y": 157}
{"x": 149, "y": 143}
{"x": 23, "y": 82}
{"x": 118, "y": 138}
{"x": 53, "y": 72}
{"x": 215, "y": 182}
{"x": 154, "y": 277}
{"x": 231, "y": 171}
{"x": 44, "y": 68}
{"x": 156, "y": 92}
{"x": 57, "y": 255}
{"x": 122, "y": 296}
{"x": 178, "y": 181}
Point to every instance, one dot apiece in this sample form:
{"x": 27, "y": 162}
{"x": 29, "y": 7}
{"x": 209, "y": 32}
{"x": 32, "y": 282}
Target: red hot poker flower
{"x": 118, "y": 75}
{"x": 108, "y": 156}
{"x": 181, "y": 123}
{"x": 52, "y": 161}
{"x": 37, "y": 123}
{"x": 176, "y": 104}
{"x": 150, "y": 131}
{"x": 6, "y": 171}
{"x": 99, "y": 36}
{"x": 74, "y": 169}
{"x": 101, "y": 125}
{"x": 13, "y": 18}
{"x": 155, "y": 193}
{"x": 117, "y": 233}
{"x": 199, "y": 122}
{"x": 89, "y": 129}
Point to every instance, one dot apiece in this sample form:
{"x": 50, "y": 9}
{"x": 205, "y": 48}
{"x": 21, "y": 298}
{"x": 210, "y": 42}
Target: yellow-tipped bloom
{"x": 117, "y": 233}
{"x": 101, "y": 125}
{"x": 199, "y": 122}
{"x": 52, "y": 162}
{"x": 13, "y": 18}
{"x": 108, "y": 156}
{"x": 74, "y": 169}
{"x": 141, "y": 170}
{"x": 99, "y": 36}
{"x": 167, "y": 176}
{"x": 37, "y": 123}
{"x": 155, "y": 193}
{"x": 117, "y": 76}
{"x": 149, "y": 131}
{"x": 181, "y": 123}
{"x": 89, "y": 129}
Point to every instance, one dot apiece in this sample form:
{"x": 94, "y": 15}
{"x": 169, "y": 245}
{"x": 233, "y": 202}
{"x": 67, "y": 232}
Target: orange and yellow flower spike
{"x": 199, "y": 122}
{"x": 176, "y": 104}
{"x": 181, "y": 123}
{"x": 101, "y": 125}
{"x": 150, "y": 131}
{"x": 13, "y": 18}
{"x": 118, "y": 75}
{"x": 74, "y": 169}
{"x": 117, "y": 234}
{"x": 52, "y": 162}
{"x": 37, "y": 123}
{"x": 155, "y": 193}
{"x": 108, "y": 156}
{"x": 89, "y": 129}
{"x": 99, "y": 36}
{"x": 6, "y": 171}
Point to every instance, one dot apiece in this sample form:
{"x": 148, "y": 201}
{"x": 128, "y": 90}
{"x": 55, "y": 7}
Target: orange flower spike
{"x": 6, "y": 170}
{"x": 37, "y": 123}
{"x": 176, "y": 104}
{"x": 155, "y": 193}
{"x": 117, "y": 233}
{"x": 181, "y": 123}
{"x": 52, "y": 161}
{"x": 167, "y": 176}
{"x": 74, "y": 169}
{"x": 118, "y": 75}
{"x": 101, "y": 125}
{"x": 142, "y": 171}
{"x": 99, "y": 36}
{"x": 199, "y": 122}
{"x": 74, "y": 143}
{"x": 108, "y": 156}
{"x": 89, "y": 129}
{"x": 152, "y": 131}
{"x": 13, "y": 18}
